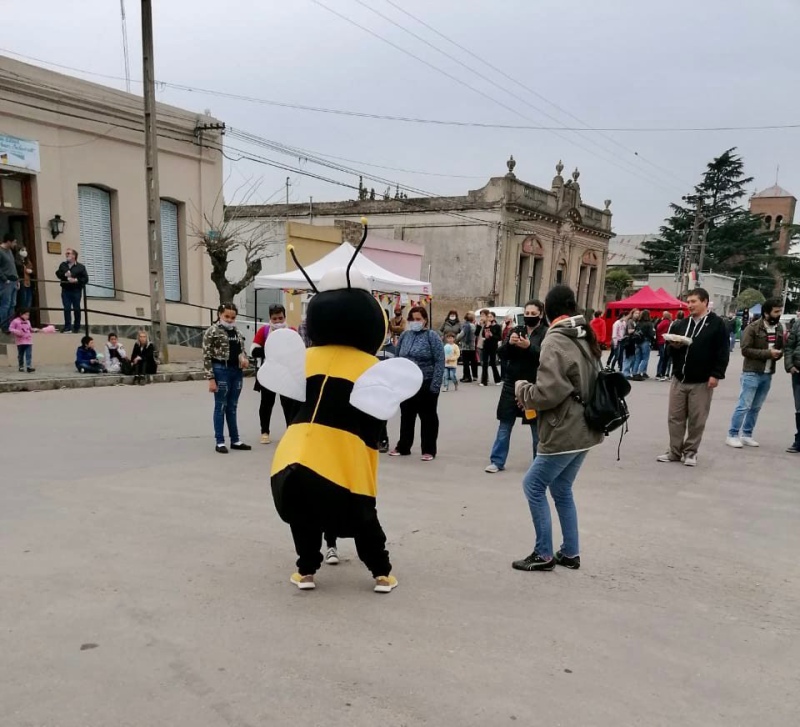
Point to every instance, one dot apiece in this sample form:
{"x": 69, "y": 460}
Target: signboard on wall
{"x": 19, "y": 154}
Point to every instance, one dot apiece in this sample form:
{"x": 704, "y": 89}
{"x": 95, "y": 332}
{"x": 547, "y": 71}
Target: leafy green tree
{"x": 736, "y": 241}
{"x": 748, "y": 298}
{"x": 618, "y": 281}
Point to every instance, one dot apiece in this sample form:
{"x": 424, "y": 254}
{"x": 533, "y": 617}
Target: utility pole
{"x": 158, "y": 308}
{"x": 702, "y": 250}
{"x": 693, "y": 243}
{"x": 288, "y": 184}
{"x": 739, "y": 287}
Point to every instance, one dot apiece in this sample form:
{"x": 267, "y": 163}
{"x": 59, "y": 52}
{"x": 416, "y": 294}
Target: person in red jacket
{"x": 599, "y": 327}
{"x": 663, "y": 350}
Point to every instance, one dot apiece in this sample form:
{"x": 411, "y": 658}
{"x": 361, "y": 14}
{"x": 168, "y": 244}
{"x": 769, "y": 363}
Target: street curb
{"x": 88, "y": 381}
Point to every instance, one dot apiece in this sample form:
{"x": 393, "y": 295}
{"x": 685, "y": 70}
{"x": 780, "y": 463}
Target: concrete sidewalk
{"x": 48, "y": 378}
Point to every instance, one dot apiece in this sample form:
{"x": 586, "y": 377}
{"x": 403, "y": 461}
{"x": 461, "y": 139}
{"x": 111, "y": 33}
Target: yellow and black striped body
{"x": 326, "y": 465}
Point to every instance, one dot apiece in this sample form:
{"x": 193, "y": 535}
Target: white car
{"x": 501, "y": 313}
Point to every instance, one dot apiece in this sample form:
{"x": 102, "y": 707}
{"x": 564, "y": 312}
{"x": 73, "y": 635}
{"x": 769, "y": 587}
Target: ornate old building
{"x": 498, "y": 245}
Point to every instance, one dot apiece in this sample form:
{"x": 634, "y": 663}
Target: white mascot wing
{"x": 284, "y": 367}
{"x": 380, "y": 390}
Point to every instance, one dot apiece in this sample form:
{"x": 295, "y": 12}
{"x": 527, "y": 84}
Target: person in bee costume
{"x": 324, "y": 472}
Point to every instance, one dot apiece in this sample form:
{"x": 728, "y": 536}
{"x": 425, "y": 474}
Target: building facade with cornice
{"x": 74, "y": 150}
{"x": 499, "y": 245}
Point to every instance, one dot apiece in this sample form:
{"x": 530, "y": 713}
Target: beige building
{"x": 73, "y": 151}
{"x": 500, "y": 245}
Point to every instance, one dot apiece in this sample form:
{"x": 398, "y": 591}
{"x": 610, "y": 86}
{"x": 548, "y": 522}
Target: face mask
{"x": 227, "y": 325}
{"x": 276, "y": 326}
{"x": 416, "y": 326}
{"x": 453, "y": 318}
{"x": 532, "y": 321}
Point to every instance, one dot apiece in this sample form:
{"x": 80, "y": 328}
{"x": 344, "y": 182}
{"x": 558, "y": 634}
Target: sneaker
{"x": 385, "y": 584}
{"x": 445, "y": 390}
{"x": 241, "y": 446}
{"x": 30, "y": 370}
{"x": 666, "y": 458}
{"x": 568, "y": 562}
{"x": 383, "y": 447}
{"x": 481, "y": 384}
{"x": 332, "y": 556}
{"x": 395, "y": 453}
{"x": 221, "y": 449}
{"x": 265, "y": 439}
{"x": 499, "y": 383}
{"x": 492, "y": 469}
{"x": 750, "y": 442}
{"x": 734, "y": 442}
{"x": 793, "y": 449}
{"x": 690, "y": 460}
{"x": 21, "y": 369}
{"x": 427, "y": 458}
{"x": 534, "y": 562}
{"x": 456, "y": 386}
{"x": 304, "y": 583}
{"x": 637, "y": 377}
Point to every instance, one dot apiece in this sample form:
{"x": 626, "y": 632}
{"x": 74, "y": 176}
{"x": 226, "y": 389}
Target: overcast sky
{"x": 610, "y": 63}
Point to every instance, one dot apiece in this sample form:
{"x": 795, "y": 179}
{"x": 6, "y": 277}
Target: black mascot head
{"x": 343, "y": 311}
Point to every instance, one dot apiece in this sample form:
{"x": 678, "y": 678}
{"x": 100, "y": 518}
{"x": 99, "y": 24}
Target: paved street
{"x": 144, "y": 578}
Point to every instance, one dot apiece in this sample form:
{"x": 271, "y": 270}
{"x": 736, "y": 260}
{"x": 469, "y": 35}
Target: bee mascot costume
{"x": 324, "y": 472}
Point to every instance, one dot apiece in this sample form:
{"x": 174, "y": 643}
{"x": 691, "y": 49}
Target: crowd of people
{"x": 548, "y": 368}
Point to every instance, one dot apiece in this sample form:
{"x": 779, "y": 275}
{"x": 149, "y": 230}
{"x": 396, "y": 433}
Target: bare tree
{"x": 235, "y": 238}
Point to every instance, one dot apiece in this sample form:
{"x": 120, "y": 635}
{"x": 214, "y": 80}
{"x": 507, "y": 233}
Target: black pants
{"x": 290, "y": 408}
{"x": 423, "y": 405}
{"x": 489, "y": 359}
{"x": 370, "y": 545}
{"x": 470, "y": 361}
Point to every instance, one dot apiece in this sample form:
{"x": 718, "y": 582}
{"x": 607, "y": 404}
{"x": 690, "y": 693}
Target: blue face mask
{"x": 416, "y": 326}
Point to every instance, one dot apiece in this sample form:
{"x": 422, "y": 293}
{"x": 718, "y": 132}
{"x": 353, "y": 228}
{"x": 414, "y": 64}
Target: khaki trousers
{"x": 689, "y": 405}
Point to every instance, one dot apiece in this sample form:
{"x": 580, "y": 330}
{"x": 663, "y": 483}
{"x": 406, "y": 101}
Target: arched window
{"x": 768, "y": 222}
{"x": 778, "y": 221}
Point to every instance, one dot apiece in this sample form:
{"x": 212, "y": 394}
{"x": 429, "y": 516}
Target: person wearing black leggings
{"x": 492, "y": 333}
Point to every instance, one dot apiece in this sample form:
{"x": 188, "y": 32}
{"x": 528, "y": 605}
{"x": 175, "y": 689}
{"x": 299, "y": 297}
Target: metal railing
{"x": 86, "y": 310}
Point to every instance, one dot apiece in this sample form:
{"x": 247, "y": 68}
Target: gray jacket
{"x": 8, "y": 268}
{"x": 466, "y": 338}
{"x": 563, "y": 371}
{"x": 791, "y": 352}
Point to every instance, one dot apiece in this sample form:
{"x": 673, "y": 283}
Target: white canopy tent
{"x": 380, "y": 279}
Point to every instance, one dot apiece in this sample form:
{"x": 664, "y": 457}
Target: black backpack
{"x": 606, "y": 409}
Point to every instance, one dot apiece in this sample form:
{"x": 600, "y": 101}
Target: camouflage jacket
{"x": 216, "y": 348}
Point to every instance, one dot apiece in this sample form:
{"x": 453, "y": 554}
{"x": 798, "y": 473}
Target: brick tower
{"x": 777, "y": 205}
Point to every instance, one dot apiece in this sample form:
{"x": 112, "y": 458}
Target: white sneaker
{"x": 492, "y": 468}
{"x": 690, "y": 460}
{"x": 734, "y": 442}
{"x": 750, "y": 442}
{"x": 666, "y": 458}
{"x": 332, "y": 556}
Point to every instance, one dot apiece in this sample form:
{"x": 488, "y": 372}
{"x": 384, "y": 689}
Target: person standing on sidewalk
{"x": 491, "y": 335}
{"x": 617, "y": 334}
{"x": 74, "y": 278}
{"x": 645, "y": 337}
{"x": 9, "y": 281}
{"x": 762, "y": 348}
{"x": 521, "y": 354}
{"x": 663, "y": 350}
{"x": 698, "y": 367}
{"x": 223, "y": 362}
{"x": 791, "y": 360}
{"x": 466, "y": 341}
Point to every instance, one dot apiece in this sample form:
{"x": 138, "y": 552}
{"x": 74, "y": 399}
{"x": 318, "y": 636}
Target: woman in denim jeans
{"x": 223, "y": 362}
{"x": 568, "y": 367}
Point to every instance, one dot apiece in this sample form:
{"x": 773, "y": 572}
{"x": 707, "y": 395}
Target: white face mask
{"x": 227, "y": 325}
{"x": 416, "y": 326}
{"x": 275, "y": 326}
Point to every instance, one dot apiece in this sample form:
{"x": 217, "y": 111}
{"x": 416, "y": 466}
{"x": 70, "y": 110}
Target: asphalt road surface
{"x": 144, "y": 578}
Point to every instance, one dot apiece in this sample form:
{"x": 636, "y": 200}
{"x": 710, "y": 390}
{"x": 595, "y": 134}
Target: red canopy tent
{"x": 655, "y": 301}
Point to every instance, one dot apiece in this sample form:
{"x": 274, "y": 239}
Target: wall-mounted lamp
{"x": 57, "y": 226}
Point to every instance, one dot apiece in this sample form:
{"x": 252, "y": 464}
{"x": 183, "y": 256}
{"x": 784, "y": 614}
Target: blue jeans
{"x": 642, "y": 358}
{"x": 450, "y": 375}
{"x": 8, "y": 294}
{"x": 71, "y": 300}
{"x": 25, "y": 296}
{"x": 664, "y": 360}
{"x": 502, "y": 442}
{"x": 627, "y": 364}
{"x": 755, "y": 388}
{"x": 24, "y": 354}
{"x": 558, "y": 472}
{"x": 226, "y": 401}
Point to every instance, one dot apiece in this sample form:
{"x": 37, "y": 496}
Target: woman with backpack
{"x": 568, "y": 368}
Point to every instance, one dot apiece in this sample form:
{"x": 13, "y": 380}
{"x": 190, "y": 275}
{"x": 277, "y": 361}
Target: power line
{"x": 413, "y": 119}
{"x": 486, "y": 78}
{"x": 527, "y": 88}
